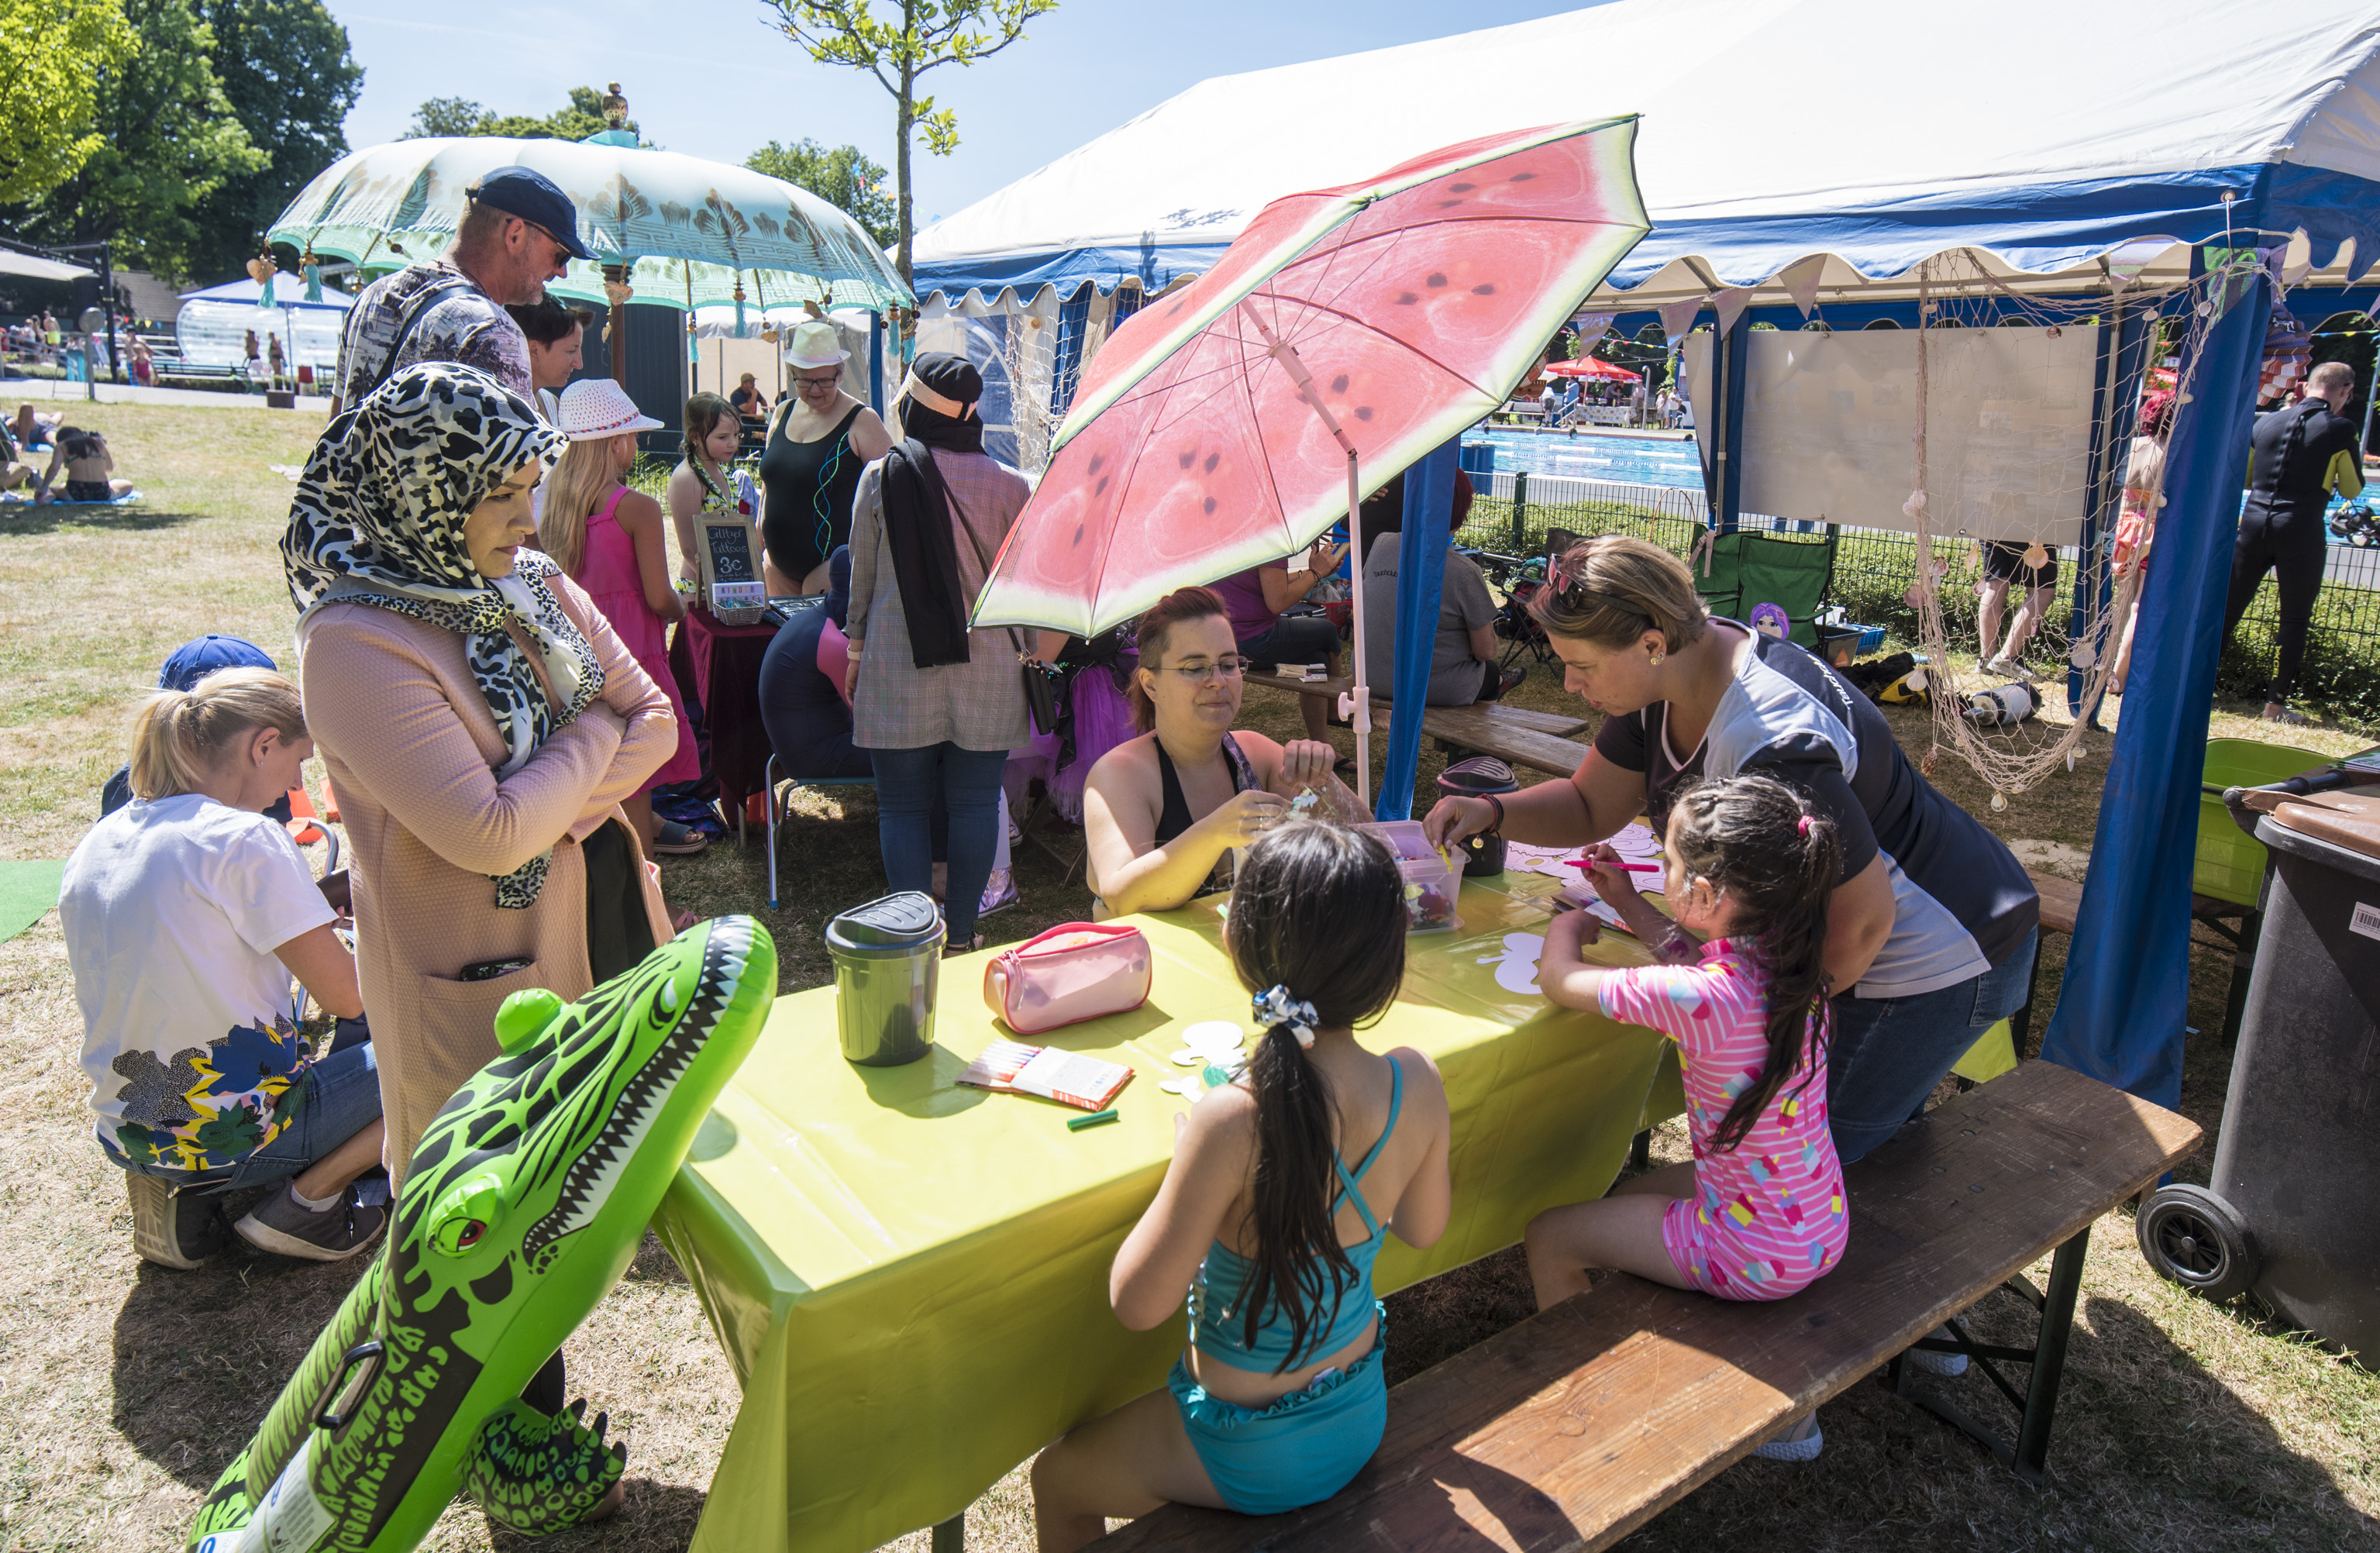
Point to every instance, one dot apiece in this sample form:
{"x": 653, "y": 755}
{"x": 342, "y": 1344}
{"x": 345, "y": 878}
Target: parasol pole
{"x": 1356, "y": 704}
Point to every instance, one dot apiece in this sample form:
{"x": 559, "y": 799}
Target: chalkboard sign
{"x": 730, "y": 547}
{"x": 732, "y": 584}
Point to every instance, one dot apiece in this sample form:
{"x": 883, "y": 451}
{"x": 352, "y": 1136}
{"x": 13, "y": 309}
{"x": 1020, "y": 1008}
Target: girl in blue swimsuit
{"x": 1280, "y": 1399}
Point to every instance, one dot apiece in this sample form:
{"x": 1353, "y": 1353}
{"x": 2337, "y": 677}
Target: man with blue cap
{"x": 518, "y": 232}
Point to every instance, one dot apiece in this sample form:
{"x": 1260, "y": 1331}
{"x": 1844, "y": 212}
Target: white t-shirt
{"x": 172, "y": 912}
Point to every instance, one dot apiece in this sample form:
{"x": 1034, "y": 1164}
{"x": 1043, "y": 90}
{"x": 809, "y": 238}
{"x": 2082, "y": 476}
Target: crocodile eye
{"x": 460, "y": 1218}
{"x": 460, "y": 1235}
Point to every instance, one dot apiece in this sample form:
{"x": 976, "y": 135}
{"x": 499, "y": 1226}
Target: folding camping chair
{"x": 771, "y": 782}
{"x": 1738, "y": 570}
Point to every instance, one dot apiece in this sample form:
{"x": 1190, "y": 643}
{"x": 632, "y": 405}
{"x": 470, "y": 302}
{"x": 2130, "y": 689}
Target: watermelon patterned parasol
{"x": 1345, "y": 334}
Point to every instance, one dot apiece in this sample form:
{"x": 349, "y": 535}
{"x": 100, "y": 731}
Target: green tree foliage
{"x": 170, "y": 140}
{"x": 923, "y": 35}
{"x": 842, "y": 177}
{"x": 460, "y": 116}
{"x": 52, "y": 53}
{"x": 287, "y": 74}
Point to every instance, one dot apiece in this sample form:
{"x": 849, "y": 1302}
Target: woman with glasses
{"x": 1163, "y": 811}
{"x": 818, "y": 441}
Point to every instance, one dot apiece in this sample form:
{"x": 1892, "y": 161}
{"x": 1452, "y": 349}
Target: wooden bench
{"x": 1513, "y": 735}
{"x": 1583, "y": 1423}
{"x": 2234, "y": 926}
{"x": 1333, "y": 687}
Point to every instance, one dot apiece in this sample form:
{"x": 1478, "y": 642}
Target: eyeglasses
{"x": 830, "y": 381}
{"x": 1201, "y": 672}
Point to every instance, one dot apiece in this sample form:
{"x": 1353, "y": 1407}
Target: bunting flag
{"x": 1678, "y": 317}
{"x": 1731, "y": 304}
{"x": 1800, "y": 280}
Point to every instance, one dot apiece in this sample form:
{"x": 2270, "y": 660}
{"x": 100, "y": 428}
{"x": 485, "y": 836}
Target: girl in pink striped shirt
{"x": 1742, "y": 988}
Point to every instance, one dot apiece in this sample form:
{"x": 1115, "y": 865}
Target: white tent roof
{"x": 2046, "y": 132}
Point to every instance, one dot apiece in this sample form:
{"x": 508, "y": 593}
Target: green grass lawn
{"x": 2183, "y": 1426}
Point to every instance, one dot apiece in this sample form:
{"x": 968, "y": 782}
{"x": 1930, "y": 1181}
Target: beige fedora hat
{"x": 815, "y": 343}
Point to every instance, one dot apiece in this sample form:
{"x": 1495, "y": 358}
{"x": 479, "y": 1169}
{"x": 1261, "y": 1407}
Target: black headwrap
{"x": 936, "y": 410}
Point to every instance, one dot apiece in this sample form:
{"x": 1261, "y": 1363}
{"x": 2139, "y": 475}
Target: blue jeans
{"x": 342, "y": 1099}
{"x": 1292, "y": 638}
{"x": 966, "y": 783}
{"x": 1889, "y": 1053}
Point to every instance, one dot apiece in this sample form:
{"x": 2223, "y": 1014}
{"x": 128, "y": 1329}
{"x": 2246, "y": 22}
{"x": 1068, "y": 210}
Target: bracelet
{"x": 1498, "y": 804}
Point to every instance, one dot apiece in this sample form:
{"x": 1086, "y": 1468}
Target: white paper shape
{"x": 1516, "y": 969}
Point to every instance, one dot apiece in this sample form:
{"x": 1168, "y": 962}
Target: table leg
{"x": 950, "y": 1537}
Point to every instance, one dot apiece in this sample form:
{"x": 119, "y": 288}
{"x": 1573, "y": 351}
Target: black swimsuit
{"x": 809, "y": 488}
{"x": 1175, "y": 818}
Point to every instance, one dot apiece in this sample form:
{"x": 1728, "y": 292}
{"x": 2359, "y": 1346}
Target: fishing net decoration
{"x": 1954, "y": 292}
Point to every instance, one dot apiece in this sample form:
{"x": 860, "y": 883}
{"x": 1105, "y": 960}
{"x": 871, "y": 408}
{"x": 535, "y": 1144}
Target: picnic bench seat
{"x": 1512, "y": 734}
{"x": 1581, "y": 1423}
{"x": 2236, "y": 925}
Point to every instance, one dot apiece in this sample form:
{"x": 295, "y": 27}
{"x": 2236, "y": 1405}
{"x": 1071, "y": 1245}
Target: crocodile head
{"x": 524, "y": 1201}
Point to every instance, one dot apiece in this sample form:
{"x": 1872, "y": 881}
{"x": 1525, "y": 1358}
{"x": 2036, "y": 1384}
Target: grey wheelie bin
{"x": 2288, "y": 1212}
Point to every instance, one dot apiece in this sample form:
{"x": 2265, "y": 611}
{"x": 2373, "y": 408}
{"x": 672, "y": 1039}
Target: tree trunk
{"x": 907, "y": 119}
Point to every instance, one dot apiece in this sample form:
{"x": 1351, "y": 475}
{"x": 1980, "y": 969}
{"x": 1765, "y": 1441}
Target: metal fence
{"x": 1513, "y": 512}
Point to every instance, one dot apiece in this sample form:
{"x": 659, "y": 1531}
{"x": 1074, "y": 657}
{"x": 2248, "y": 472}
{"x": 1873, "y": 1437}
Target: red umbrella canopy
{"x": 1418, "y": 300}
{"x": 1589, "y": 366}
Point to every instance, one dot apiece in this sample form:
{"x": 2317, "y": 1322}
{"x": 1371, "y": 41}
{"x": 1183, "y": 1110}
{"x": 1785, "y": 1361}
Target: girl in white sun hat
{"x": 608, "y": 539}
{"x": 818, "y": 441}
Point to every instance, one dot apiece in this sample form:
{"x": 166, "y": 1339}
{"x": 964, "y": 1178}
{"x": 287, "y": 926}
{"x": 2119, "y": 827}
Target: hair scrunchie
{"x": 1277, "y": 1006}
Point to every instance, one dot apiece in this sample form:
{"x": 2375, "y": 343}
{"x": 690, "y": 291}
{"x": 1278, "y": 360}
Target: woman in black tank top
{"x": 1162, "y": 811}
{"x": 818, "y": 441}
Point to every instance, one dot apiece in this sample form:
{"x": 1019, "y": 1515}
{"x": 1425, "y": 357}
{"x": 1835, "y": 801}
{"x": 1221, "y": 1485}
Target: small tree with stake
{"x": 921, "y": 35}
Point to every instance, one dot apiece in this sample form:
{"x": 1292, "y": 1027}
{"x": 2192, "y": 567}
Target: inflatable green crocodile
{"x": 524, "y": 1201}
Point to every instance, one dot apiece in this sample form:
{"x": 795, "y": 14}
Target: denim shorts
{"x": 342, "y": 1099}
{"x": 1887, "y": 1054}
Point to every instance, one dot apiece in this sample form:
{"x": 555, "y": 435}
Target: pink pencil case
{"x": 1074, "y": 971}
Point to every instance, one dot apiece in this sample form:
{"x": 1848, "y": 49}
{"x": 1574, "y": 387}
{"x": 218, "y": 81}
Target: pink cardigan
{"x": 411, "y": 745}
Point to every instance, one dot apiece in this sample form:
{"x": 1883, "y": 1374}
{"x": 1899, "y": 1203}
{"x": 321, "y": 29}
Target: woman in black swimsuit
{"x": 1163, "y": 811}
{"x": 818, "y": 441}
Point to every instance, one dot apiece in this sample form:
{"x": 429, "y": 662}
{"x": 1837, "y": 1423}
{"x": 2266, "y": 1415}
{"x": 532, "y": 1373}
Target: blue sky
{"x": 716, "y": 81}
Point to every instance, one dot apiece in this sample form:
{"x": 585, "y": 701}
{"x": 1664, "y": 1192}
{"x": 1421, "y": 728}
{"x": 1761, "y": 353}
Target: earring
{"x": 1657, "y": 656}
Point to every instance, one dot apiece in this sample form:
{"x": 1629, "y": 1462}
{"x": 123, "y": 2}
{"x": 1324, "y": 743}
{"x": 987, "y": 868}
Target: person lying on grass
{"x": 1741, "y": 988}
{"x": 1280, "y": 1399}
{"x": 186, "y": 913}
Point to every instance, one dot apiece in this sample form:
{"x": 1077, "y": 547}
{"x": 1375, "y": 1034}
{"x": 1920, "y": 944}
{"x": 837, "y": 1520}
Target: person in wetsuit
{"x": 2299, "y": 455}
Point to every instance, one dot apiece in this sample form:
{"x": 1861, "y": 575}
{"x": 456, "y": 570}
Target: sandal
{"x": 673, "y": 840}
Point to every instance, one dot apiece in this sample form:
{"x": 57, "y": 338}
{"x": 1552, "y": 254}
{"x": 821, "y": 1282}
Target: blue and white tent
{"x": 2043, "y": 133}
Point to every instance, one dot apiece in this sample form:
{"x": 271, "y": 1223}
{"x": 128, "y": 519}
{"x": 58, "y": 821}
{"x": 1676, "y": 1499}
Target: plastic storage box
{"x": 2230, "y": 863}
{"x": 1432, "y": 881}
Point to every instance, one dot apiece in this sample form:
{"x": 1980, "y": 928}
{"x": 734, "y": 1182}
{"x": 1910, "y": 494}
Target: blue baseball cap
{"x": 531, "y": 195}
{"x": 194, "y": 661}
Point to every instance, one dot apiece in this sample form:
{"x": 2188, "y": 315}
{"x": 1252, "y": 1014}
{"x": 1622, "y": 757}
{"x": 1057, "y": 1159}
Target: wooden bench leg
{"x": 2037, "y": 1406}
{"x": 1640, "y": 1153}
{"x": 950, "y": 1537}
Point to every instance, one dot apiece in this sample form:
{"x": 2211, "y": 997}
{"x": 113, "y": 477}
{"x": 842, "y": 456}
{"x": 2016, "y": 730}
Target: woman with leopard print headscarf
{"x": 480, "y": 719}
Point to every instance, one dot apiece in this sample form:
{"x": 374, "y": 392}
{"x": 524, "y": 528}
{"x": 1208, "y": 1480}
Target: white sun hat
{"x": 815, "y": 345}
{"x": 596, "y": 408}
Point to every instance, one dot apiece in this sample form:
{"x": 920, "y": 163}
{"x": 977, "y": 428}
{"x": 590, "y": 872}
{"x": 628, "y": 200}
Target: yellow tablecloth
{"x": 910, "y": 1277}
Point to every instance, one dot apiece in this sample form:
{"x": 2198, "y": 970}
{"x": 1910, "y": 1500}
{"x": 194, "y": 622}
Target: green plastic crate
{"x": 2230, "y": 863}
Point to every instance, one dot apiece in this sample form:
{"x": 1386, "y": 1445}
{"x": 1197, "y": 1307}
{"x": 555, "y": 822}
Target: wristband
{"x": 1498, "y": 804}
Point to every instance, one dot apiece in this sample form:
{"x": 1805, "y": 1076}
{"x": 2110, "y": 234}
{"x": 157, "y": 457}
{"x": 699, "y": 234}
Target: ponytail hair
{"x": 1156, "y": 624}
{"x": 178, "y": 736}
{"x": 1759, "y": 844}
{"x": 582, "y": 478}
{"x": 1318, "y": 909}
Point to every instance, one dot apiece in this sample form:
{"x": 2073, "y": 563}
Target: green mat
{"x": 27, "y": 890}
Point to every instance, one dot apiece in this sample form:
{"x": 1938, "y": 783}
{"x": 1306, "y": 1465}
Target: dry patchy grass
{"x": 127, "y": 1387}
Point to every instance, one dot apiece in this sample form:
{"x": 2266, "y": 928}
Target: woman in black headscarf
{"x": 936, "y": 705}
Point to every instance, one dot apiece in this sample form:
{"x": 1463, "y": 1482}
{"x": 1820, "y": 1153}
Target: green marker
{"x": 1097, "y": 1119}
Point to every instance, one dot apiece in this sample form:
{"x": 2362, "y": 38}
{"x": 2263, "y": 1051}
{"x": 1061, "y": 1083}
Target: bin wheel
{"x": 2199, "y": 1241}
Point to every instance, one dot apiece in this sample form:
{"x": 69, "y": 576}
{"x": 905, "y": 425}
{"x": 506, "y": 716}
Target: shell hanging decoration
{"x": 2036, "y": 556}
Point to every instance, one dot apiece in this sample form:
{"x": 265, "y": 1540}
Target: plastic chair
{"x": 776, "y": 805}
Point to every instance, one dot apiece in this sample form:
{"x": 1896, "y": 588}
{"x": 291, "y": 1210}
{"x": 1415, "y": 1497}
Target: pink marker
{"x": 1631, "y": 868}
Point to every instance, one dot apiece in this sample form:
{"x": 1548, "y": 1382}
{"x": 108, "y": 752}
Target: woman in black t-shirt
{"x": 1930, "y": 935}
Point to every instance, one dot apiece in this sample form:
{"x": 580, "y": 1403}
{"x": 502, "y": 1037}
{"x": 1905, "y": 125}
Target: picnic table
{"x": 910, "y": 1277}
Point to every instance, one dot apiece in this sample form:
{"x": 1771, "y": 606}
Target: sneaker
{"x": 282, "y": 1225}
{"x": 2278, "y": 711}
{"x": 1927, "y": 1362}
{"x": 172, "y": 1226}
{"x": 675, "y": 840}
{"x": 1802, "y": 1443}
{"x": 999, "y": 893}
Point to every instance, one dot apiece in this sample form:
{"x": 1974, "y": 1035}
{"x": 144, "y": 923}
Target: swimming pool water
{"x": 1629, "y": 460}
